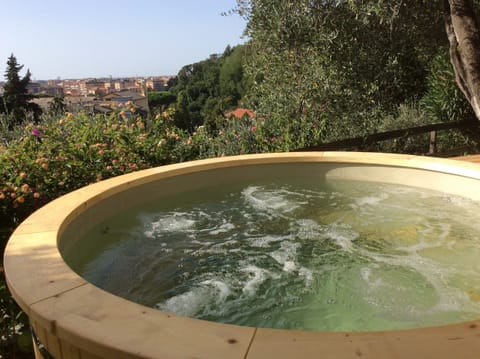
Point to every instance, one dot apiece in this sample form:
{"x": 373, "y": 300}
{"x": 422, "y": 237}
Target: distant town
{"x": 98, "y": 95}
{"x": 94, "y": 86}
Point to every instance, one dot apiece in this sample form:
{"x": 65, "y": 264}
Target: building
{"x": 34, "y": 88}
{"x": 156, "y": 83}
{"x": 94, "y": 87}
{"x": 55, "y": 91}
{"x": 240, "y": 113}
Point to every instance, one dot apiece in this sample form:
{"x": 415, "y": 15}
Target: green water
{"x": 330, "y": 256}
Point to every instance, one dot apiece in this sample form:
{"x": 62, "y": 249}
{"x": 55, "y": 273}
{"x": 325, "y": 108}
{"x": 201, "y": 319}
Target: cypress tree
{"x": 16, "y": 97}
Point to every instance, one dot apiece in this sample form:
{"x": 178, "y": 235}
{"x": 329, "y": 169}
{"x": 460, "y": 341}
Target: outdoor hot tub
{"x": 73, "y": 318}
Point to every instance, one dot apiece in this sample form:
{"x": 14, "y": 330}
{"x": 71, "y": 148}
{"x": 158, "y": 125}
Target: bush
{"x": 62, "y": 154}
{"x": 443, "y": 101}
{"x": 15, "y": 340}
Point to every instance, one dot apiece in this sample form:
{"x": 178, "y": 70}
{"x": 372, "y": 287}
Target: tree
{"x": 16, "y": 98}
{"x": 384, "y": 46}
{"x": 160, "y": 99}
{"x": 205, "y": 90}
{"x": 464, "y": 38}
{"x": 57, "y": 106}
{"x": 341, "y": 66}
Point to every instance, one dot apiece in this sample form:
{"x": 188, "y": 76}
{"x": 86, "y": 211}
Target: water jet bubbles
{"x": 355, "y": 257}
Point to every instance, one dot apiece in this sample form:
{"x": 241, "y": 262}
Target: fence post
{"x": 433, "y": 143}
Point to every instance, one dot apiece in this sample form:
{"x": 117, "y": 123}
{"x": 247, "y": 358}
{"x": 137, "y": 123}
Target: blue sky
{"x": 87, "y": 38}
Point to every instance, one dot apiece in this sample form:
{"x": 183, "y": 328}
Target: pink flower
{"x": 36, "y": 132}
{"x": 253, "y": 128}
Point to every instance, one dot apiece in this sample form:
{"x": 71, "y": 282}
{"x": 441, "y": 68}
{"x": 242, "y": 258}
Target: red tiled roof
{"x": 241, "y": 113}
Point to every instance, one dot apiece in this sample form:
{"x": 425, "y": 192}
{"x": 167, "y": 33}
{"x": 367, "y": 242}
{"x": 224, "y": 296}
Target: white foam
{"x": 342, "y": 234}
{"x": 198, "y": 299}
{"x": 176, "y": 222}
{"x": 222, "y": 288}
{"x": 307, "y": 273}
{"x": 265, "y": 200}
{"x": 256, "y": 277}
{"x": 265, "y": 241}
{"x": 223, "y": 228}
{"x": 286, "y": 253}
{"x": 289, "y": 266}
{"x": 187, "y": 304}
{"x": 371, "y": 200}
{"x": 308, "y": 229}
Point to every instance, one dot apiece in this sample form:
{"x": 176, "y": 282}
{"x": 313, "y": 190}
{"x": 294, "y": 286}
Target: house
{"x": 240, "y": 113}
{"x": 33, "y": 87}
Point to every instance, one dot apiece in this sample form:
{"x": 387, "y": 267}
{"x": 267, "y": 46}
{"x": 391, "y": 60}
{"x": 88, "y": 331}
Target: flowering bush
{"x": 62, "y": 154}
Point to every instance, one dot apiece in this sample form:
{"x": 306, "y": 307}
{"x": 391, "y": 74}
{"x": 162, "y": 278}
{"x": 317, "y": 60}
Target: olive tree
{"x": 339, "y": 67}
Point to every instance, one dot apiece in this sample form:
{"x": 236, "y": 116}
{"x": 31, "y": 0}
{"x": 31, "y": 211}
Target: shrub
{"x": 62, "y": 154}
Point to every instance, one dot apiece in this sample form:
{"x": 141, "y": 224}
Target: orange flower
{"x": 20, "y": 199}
{"x": 2, "y": 195}
{"x": 25, "y": 187}
{"x": 36, "y": 195}
{"x": 44, "y": 166}
{"x": 23, "y": 175}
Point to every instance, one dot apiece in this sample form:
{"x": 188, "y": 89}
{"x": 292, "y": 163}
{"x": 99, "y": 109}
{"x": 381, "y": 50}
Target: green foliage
{"x": 41, "y": 164}
{"x": 207, "y": 89}
{"x": 443, "y": 100}
{"x": 57, "y": 106}
{"x": 16, "y": 100}
{"x": 348, "y": 62}
{"x": 233, "y": 83}
{"x": 196, "y": 84}
{"x": 160, "y": 99}
{"x": 15, "y": 340}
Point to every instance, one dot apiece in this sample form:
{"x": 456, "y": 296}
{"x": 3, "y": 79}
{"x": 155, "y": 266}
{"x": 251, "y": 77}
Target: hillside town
{"x": 97, "y": 95}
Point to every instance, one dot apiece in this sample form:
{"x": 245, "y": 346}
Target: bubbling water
{"x": 331, "y": 256}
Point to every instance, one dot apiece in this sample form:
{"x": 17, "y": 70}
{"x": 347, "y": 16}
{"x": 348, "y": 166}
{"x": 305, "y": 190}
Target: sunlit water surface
{"x": 330, "y": 256}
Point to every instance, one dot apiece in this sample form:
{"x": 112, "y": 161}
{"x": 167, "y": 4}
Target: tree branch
{"x": 464, "y": 38}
